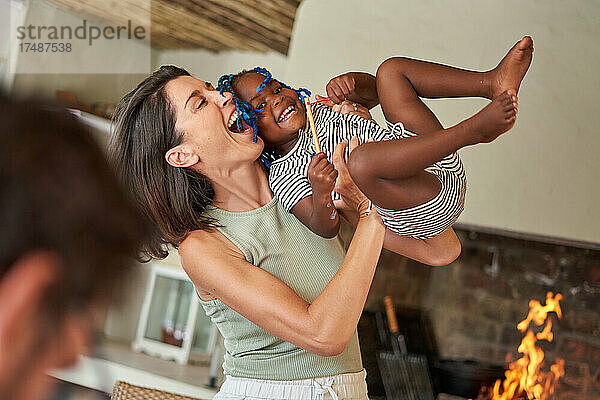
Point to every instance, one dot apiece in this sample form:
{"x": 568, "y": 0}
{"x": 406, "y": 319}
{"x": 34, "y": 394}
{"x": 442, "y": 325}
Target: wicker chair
{"x": 125, "y": 391}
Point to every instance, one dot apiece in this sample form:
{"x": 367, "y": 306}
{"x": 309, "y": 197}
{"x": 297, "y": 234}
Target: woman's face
{"x": 207, "y": 120}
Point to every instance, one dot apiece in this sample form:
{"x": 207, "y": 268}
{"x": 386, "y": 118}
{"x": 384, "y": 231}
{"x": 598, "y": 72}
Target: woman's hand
{"x": 348, "y": 107}
{"x": 353, "y": 200}
{"x": 351, "y": 195}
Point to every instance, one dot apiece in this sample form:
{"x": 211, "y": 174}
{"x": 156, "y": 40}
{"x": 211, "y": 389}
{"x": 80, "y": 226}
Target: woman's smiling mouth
{"x": 232, "y": 119}
{"x": 238, "y": 125}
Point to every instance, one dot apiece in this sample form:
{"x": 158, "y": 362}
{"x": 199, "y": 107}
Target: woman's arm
{"x": 324, "y": 327}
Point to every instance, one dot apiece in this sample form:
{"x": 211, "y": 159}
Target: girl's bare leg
{"x": 391, "y": 173}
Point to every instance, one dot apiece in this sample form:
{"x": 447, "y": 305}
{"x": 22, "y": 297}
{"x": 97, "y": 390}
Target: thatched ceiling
{"x": 258, "y": 25}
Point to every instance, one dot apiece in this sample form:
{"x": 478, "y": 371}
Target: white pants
{"x": 351, "y": 386}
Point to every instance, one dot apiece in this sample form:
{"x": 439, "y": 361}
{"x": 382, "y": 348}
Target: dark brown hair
{"x": 58, "y": 194}
{"x": 172, "y": 199}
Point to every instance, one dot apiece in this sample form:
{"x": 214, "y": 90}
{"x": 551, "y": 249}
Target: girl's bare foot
{"x": 512, "y": 69}
{"x": 494, "y": 119}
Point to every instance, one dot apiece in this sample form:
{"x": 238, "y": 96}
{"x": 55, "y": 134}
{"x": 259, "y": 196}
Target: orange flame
{"x": 525, "y": 375}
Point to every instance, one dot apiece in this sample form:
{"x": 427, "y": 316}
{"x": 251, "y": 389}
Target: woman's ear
{"x": 181, "y": 157}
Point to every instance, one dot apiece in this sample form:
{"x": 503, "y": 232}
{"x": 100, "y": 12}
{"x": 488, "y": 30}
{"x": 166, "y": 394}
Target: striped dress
{"x": 288, "y": 175}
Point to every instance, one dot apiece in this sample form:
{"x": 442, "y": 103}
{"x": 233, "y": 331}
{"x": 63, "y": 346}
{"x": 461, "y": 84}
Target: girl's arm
{"x": 358, "y": 87}
{"x": 436, "y": 251}
{"x": 318, "y": 214}
{"x": 317, "y": 211}
{"x": 325, "y": 326}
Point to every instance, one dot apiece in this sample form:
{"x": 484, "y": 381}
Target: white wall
{"x": 542, "y": 177}
{"x": 71, "y": 71}
{"x": 12, "y": 13}
{"x": 210, "y": 66}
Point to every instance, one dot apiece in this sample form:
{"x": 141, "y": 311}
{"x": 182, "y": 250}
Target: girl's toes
{"x": 510, "y": 112}
{"x": 499, "y": 97}
{"x": 509, "y": 105}
{"x": 507, "y": 102}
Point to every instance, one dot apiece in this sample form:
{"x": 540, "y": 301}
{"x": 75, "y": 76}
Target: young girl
{"x": 416, "y": 181}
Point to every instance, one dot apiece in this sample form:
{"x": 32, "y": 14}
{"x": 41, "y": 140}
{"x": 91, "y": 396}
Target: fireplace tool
{"x": 405, "y": 376}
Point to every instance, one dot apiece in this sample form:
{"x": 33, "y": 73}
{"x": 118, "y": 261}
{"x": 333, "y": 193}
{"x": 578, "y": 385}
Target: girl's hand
{"x": 341, "y": 87}
{"x": 321, "y": 175}
{"x": 358, "y": 87}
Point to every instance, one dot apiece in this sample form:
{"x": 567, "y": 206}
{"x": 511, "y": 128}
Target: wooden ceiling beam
{"x": 281, "y": 7}
{"x": 235, "y": 16}
{"x": 189, "y": 26}
{"x": 216, "y": 25}
{"x": 127, "y": 10}
{"x": 239, "y": 24}
{"x": 166, "y": 39}
{"x": 170, "y": 42}
{"x": 264, "y": 16}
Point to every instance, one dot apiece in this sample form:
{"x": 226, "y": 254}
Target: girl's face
{"x": 281, "y": 113}
{"x": 207, "y": 120}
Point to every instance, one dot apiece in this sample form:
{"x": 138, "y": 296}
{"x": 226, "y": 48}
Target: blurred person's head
{"x": 67, "y": 236}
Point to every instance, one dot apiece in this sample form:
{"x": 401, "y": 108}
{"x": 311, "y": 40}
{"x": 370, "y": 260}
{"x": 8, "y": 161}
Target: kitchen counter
{"x": 114, "y": 361}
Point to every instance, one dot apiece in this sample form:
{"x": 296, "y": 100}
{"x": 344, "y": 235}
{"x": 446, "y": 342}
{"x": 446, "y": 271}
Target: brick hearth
{"x": 474, "y": 305}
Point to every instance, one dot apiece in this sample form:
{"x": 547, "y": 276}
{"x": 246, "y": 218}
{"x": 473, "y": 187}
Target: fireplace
{"x": 475, "y": 304}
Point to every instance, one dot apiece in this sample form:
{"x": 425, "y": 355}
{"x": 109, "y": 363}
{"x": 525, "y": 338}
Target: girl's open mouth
{"x": 287, "y": 113}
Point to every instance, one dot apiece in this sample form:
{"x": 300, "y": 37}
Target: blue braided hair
{"x": 301, "y": 92}
{"x": 244, "y": 108}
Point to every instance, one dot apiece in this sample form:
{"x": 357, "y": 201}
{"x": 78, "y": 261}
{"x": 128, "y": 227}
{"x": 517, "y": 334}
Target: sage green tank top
{"x": 274, "y": 240}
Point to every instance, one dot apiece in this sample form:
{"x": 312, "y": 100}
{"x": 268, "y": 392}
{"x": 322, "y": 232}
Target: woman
{"x": 290, "y": 324}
